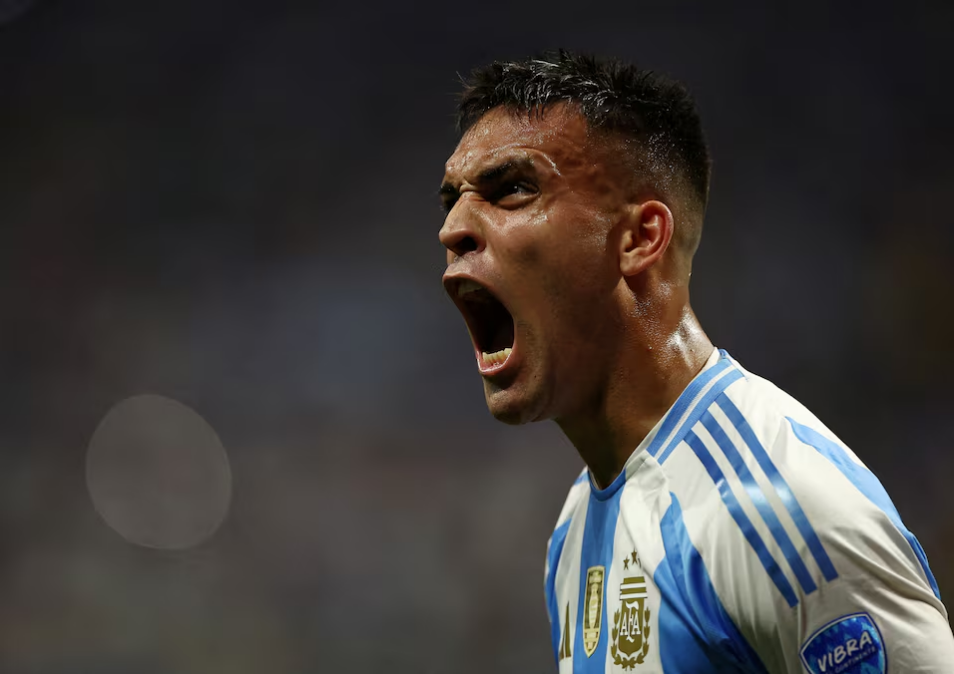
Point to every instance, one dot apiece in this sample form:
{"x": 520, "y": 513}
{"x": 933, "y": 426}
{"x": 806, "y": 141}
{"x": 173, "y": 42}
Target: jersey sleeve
{"x": 879, "y": 615}
{"x": 876, "y": 607}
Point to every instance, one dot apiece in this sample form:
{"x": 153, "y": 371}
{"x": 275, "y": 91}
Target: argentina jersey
{"x": 741, "y": 536}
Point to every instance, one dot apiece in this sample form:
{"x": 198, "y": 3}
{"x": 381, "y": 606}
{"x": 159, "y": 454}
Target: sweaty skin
{"x": 585, "y": 258}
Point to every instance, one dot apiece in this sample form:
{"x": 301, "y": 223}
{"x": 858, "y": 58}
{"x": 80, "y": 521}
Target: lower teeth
{"x": 497, "y": 356}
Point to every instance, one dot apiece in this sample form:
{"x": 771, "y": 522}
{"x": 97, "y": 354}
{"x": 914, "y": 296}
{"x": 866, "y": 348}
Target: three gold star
{"x": 632, "y": 557}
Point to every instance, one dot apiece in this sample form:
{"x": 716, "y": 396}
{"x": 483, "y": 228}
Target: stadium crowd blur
{"x": 235, "y": 208}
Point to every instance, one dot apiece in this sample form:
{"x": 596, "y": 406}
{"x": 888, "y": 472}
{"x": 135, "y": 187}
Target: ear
{"x": 646, "y": 232}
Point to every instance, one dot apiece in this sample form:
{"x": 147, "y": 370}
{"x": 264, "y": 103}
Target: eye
{"x": 514, "y": 193}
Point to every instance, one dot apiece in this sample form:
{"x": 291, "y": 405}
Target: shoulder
{"x": 790, "y": 447}
{"x": 813, "y": 481}
{"x": 764, "y": 483}
{"x": 832, "y": 541}
{"x": 807, "y": 466}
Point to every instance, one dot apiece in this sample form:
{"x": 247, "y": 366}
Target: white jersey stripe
{"x": 745, "y": 524}
{"x": 670, "y": 429}
{"x": 760, "y": 502}
{"x": 699, "y": 406}
{"x": 782, "y": 489}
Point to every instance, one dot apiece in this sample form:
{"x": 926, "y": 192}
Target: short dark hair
{"x": 652, "y": 109}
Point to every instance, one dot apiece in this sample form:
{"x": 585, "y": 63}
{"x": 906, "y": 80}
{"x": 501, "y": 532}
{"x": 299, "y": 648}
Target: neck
{"x": 657, "y": 359}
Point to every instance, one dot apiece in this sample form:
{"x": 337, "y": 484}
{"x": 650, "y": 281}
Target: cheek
{"x": 581, "y": 289}
{"x": 558, "y": 267}
{"x": 555, "y": 238}
{"x": 522, "y": 254}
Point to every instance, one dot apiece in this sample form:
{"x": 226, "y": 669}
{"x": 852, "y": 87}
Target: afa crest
{"x": 630, "y": 643}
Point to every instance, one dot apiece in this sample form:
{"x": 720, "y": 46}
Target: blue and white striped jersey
{"x": 741, "y": 536}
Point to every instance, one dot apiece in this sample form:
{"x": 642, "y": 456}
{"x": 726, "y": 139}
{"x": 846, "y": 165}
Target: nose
{"x": 461, "y": 233}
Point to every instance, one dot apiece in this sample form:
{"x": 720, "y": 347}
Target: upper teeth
{"x": 467, "y": 286}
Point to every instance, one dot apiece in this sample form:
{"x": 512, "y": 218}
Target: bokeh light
{"x": 158, "y": 474}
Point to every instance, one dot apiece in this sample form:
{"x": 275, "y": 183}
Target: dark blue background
{"x": 234, "y": 205}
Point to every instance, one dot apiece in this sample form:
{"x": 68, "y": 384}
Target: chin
{"x": 512, "y": 407}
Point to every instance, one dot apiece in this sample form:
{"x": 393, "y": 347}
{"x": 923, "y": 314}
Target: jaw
{"x": 508, "y": 406}
{"x": 520, "y": 399}
{"x": 553, "y": 383}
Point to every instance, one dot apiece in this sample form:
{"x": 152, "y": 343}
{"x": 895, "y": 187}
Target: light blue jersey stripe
{"x": 765, "y": 509}
{"x": 869, "y": 485}
{"x": 557, "y": 542}
{"x": 735, "y": 509}
{"x": 599, "y": 537}
{"x": 684, "y": 400}
{"x": 701, "y": 407}
{"x": 686, "y": 585}
{"x": 781, "y": 487}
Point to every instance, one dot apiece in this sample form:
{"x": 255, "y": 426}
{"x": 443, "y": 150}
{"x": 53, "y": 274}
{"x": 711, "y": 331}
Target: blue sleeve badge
{"x": 849, "y": 645}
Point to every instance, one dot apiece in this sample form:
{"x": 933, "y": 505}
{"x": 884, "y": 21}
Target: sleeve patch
{"x": 849, "y": 645}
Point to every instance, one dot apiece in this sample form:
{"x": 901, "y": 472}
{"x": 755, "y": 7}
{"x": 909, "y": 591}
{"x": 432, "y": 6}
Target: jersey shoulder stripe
{"x": 760, "y": 500}
{"x": 869, "y": 485}
{"x": 797, "y": 429}
{"x": 720, "y": 427}
{"x": 691, "y": 405}
{"x": 780, "y": 486}
{"x": 738, "y": 514}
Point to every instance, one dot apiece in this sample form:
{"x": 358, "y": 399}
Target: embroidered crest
{"x": 851, "y": 643}
{"x": 593, "y": 608}
{"x": 631, "y": 629}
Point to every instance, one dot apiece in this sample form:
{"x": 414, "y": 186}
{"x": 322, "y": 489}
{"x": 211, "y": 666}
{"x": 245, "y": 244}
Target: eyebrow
{"x": 449, "y": 192}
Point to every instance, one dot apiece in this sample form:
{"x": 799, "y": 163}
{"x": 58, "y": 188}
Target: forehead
{"x": 558, "y": 139}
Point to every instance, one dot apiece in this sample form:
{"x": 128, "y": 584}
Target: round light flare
{"x": 158, "y": 474}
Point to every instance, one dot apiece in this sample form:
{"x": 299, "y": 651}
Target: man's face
{"x": 530, "y": 262}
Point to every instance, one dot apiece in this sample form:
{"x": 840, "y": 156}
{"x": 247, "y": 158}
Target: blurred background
{"x": 241, "y": 429}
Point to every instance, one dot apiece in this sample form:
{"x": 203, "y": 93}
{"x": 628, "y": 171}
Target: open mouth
{"x": 489, "y": 322}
